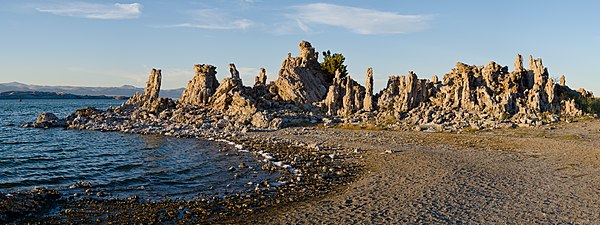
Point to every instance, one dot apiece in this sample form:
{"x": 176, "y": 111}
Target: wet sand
{"x": 544, "y": 175}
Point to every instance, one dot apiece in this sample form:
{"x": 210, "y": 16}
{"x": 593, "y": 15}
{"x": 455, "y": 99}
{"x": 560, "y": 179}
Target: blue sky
{"x": 112, "y": 43}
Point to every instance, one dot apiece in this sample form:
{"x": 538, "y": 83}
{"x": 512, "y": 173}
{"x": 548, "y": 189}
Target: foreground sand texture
{"x": 515, "y": 176}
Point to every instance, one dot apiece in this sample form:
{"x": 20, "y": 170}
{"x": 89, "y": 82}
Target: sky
{"x": 115, "y": 43}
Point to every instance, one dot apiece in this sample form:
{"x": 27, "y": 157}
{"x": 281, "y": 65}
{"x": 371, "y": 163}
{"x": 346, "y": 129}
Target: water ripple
{"x": 122, "y": 164}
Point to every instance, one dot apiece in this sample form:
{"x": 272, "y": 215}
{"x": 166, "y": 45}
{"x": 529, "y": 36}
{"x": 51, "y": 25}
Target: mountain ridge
{"x": 51, "y": 95}
{"x": 125, "y": 90}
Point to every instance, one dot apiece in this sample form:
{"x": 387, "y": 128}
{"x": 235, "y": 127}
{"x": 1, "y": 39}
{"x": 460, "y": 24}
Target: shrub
{"x": 589, "y": 105}
{"x": 586, "y": 104}
{"x": 331, "y": 63}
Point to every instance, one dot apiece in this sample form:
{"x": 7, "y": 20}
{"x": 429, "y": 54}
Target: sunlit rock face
{"x": 201, "y": 87}
{"x": 300, "y": 79}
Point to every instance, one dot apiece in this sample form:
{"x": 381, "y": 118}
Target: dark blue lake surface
{"x": 120, "y": 164}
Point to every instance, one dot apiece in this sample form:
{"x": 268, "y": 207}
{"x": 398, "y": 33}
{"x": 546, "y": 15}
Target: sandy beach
{"x": 544, "y": 175}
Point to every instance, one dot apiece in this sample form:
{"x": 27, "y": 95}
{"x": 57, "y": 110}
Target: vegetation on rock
{"x": 331, "y": 63}
{"x": 587, "y": 104}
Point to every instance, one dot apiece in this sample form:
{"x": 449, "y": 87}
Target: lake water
{"x": 150, "y": 166}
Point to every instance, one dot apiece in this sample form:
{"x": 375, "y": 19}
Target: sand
{"x": 544, "y": 175}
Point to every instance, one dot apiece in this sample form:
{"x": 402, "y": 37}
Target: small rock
{"x": 392, "y": 151}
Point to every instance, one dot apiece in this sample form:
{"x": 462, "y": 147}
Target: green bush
{"x": 331, "y": 63}
{"x": 589, "y": 105}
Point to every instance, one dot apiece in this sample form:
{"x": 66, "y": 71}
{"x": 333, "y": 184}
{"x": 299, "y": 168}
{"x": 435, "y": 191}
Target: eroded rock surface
{"x": 147, "y": 99}
{"x": 344, "y": 97}
{"x": 468, "y": 97}
{"x": 368, "y": 101}
{"x": 46, "y": 120}
{"x": 477, "y": 97}
{"x": 232, "y": 98}
{"x": 202, "y": 86}
{"x": 301, "y": 79}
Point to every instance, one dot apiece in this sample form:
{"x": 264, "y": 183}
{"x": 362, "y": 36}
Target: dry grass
{"x": 359, "y": 127}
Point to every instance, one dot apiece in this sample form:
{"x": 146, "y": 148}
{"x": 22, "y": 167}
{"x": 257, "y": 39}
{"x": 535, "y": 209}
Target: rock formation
{"x": 333, "y": 101}
{"x": 404, "y": 93}
{"x": 235, "y": 74}
{"x": 228, "y": 89}
{"x": 368, "y": 101}
{"x": 300, "y": 79}
{"x": 435, "y": 79}
{"x": 468, "y": 97}
{"x": 344, "y": 96}
{"x": 149, "y": 100}
{"x": 475, "y": 96}
{"x": 201, "y": 87}
{"x": 348, "y": 99}
{"x": 150, "y": 95}
{"x": 260, "y": 89}
{"x": 261, "y": 79}
{"x": 584, "y": 93}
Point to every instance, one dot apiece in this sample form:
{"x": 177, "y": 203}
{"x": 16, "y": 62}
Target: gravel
{"x": 544, "y": 175}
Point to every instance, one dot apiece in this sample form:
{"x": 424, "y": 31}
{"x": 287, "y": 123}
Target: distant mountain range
{"x": 125, "y": 90}
{"x": 51, "y": 95}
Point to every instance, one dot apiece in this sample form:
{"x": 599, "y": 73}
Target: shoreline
{"x": 388, "y": 172}
{"x": 306, "y": 173}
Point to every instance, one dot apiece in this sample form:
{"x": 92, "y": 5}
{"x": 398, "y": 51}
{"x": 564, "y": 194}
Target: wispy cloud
{"x": 214, "y": 19}
{"x": 249, "y": 71}
{"x": 114, "y": 11}
{"x": 357, "y": 20}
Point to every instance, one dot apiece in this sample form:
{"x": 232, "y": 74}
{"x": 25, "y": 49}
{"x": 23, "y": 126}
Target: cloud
{"x": 214, "y": 19}
{"x": 248, "y": 74}
{"x": 114, "y": 11}
{"x": 231, "y": 25}
{"x": 357, "y": 20}
{"x": 249, "y": 71}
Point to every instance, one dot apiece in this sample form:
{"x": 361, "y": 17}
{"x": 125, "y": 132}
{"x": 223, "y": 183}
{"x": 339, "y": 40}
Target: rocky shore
{"x": 307, "y": 171}
{"x": 469, "y": 98}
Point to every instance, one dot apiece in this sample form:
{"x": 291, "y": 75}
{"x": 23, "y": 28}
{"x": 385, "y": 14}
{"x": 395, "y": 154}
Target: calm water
{"x": 121, "y": 164}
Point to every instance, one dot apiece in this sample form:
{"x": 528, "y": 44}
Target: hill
{"x": 51, "y": 95}
{"x": 125, "y": 90}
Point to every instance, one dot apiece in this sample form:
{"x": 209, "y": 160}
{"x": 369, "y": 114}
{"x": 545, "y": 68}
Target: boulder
{"x": 46, "y": 117}
{"x": 260, "y": 120}
{"x": 47, "y": 120}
